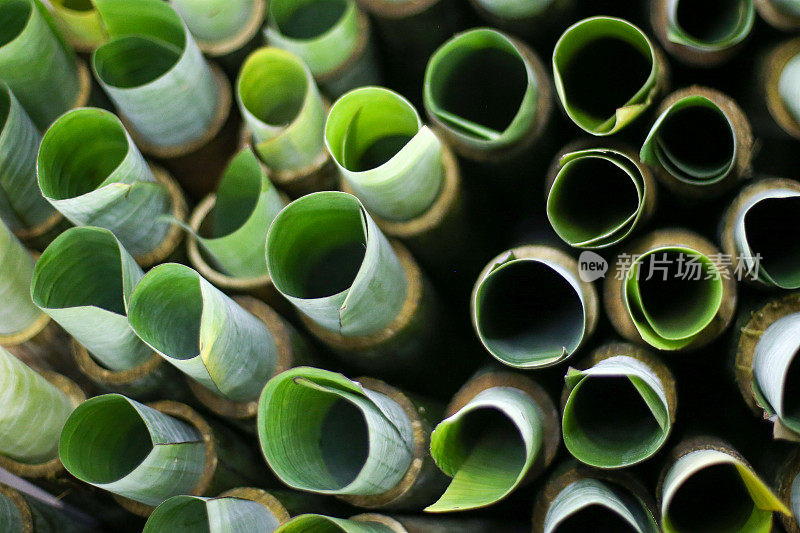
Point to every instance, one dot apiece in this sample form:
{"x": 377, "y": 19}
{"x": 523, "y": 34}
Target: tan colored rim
{"x": 261, "y": 497}
{"x": 22, "y": 506}
{"x": 178, "y": 209}
{"x": 775, "y": 62}
{"x": 613, "y": 287}
{"x": 94, "y": 371}
{"x": 247, "y": 31}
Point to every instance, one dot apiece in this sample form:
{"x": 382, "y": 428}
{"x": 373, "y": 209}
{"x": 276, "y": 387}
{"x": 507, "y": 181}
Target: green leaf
{"x": 616, "y": 413}
{"x": 322, "y": 432}
{"x": 586, "y": 176}
{"x": 203, "y": 332}
{"x": 153, "y": 71}
{"x": 21, "y": 203}
{"x": 620, "y": 508}
{"x": 487, "y": 447}
{"x": 391, "y": 160}
{"x": 283, "y": 109}
{"x": 195, "y": 514}
{"x": 484, "y": 119}
{"x": 759, "y": 234}
{"x": 91, "y": 171}
{"x": 672, "y": 294}
{"x": 589, "y": 89}
{"x": 732, "y": 496}
{"x": 726, "y": 26}
{"x": 324, "y": 33}
{"x": 80, "y": 22}
{"x": 33, "y": 413}
{"x": 329, "y": 259}
{"x": 246, "y": 203}
{"x": 215, "y": 21}
{"x": 17, "y": 311}
{"x": 124, "y": 447}
{"x": 36, "y": 62}
{"x": 528, "y": 312}
{"x": 84, "y": 280}
{"x": 317, "y": 523}
{"x": 672, "y": 142}
{"x": 773, "y": 357}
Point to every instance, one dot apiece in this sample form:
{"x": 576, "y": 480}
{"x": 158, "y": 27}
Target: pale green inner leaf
{"x": 776, "y": 370}
{"x": 769, "y": 229}
{"x": 668, "y": 297}
{"x": 17, "y": 310}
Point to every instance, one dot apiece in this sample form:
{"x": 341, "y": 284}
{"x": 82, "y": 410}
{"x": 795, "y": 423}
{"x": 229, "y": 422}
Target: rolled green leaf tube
{"x": 757, "y": 233}
{"x": 84, "y": 281}
{"x": 231, "y": 226}
{"x": 22, "y": 207}
{"x": 90, "y": 170}
{"x": 222, "y": 27}
{"x": 501, "y": 430}
{"x": 702, "y": 34}
{"x": 620, "y": 410}
{"x": 132, "y": 450}
{"x": 350, "y": 440}
{"x": 241, "y": 510}
{"x": 708, "y": 485}
{"x": 203, "y": 332}
{"x": 523, "y": 17}
{"x": 577, "y": 498}
{"x": 23, "y": 513}
{"x": 80, "y": 23}
{"x": 607, "y": 72}
{"x": 579, "y": 178}
{"x": 530, "y": 309}
{"x": 391, "y": 160}
{"x": 155, "y": 74}
{"x": 35, "y": 409}
{"x": 671, "y": 289}
{"x": 765, "y": 363}
{"x": 701, "y": 144}
{"x": 781, "y": 14}
{"x": 330, "y": 260}
{"x": 331, "y": 36}
{"x": 20, "y": 319}
{"x": 285, "y": 115}
{"x": 37, "y": 63}
{"x": 363, "y": 441}
{"x": 487, "y": 122}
